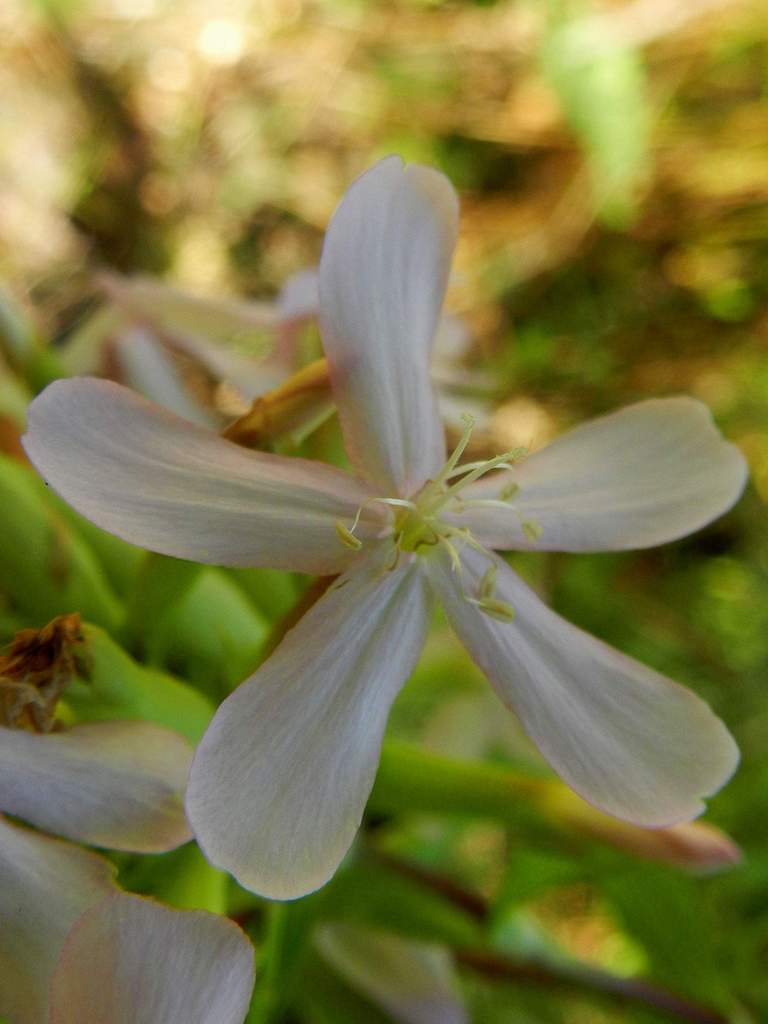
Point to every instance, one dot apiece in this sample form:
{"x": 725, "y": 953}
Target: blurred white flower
{"x": 413, "y": 982}
{"x": 249, "y": 347}
{"x": 281, "y": 777}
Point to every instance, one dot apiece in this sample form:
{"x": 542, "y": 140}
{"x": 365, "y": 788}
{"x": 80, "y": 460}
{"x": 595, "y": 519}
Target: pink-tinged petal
{"x": 628, "y": 740}
{"x": 299, "y": 297}
{"x": 281, "y": 777}
{"x": 179, "y": 314}
{"x": 45, "y": 885}
{"x": 383, "y": 274}
{"x": 129, "y": 960}
{"x": 114, "y": 784}
{"x": 158, "y": 481}
{"x": 641, "y": 476}
{"x": 145, "y": 367}
{"x": 411, "y": 981}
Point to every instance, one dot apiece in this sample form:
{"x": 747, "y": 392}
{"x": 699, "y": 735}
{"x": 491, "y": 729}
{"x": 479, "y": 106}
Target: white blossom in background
{"x": 146, "y": 321}
{"x": 75, "y": 949}
{"x": 413, "y": 982}
{"x": 281, "y": 777}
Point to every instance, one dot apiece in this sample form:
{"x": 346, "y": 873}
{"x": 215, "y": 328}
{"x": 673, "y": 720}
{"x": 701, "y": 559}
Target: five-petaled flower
{"x": 280, "y": 780}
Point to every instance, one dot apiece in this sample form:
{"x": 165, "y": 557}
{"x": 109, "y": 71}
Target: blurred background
{"x": 612, "y": 162}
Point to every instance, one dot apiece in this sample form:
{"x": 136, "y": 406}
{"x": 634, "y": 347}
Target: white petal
{"x": 641, "y": 476}
{"x": 628, "y": 740}
{"x": 129, "y": 960}
{"x": 45, "y": 885}
{"x": 280, "y": 779}
{"x": 299, "y": 297}
{"x": 412, "y": 981}
{"x": 162, "y": 483}
{"x": 383, "y": 274}
{"x": 114, "y": 784}
{"x": 182, "y": 314}
{"x": 146, "y": 368}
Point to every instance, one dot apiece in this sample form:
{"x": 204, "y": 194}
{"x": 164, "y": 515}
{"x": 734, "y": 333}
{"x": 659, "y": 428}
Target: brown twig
{"x": 581, "y": 978}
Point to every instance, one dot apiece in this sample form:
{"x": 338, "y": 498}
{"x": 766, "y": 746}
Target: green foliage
{"x": 602, "y": 89}
{"x": 46, "y": 568}
{"x": 116, "y": 686}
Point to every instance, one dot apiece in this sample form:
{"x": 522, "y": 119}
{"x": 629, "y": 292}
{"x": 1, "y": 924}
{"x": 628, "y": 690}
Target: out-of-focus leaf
{"x": 182, "y": 878}
{"x": 414, "y": 779}
{"x": 46, "y": 568}
{"x": 323, "y": 998}
{"x": 273, "y": 592}
{"x": 121, "y": 561}
{"x": 282, "y": 955}
{"x": 369, "y": 893}
{"x": 161, "y": 585}
{"x": 213, "y": 635}
{"x": 668, "y": 914}
{"x": 602, "y": 91}
{"x": 118, "y": 687}
{"x": 19, "y": 343}
{"x": 532, "y": 872}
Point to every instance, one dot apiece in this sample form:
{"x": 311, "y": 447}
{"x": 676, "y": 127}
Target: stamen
{"x": 457, "y": 452}
{"x": 453, "y": 554}
{"x": 517, "y": 454}
{"x": 495, "y": 609}
{"x": 347, "y": 538}
{"x": 508, "y": 493}
{"x": 488, "y": 583}
{"x": 531, "y": 529}
{"x": 500, "y": 460}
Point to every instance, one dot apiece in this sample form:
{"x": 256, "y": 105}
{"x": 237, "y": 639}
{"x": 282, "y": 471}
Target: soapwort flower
{"x": 74, "y": 947}
{"x": 281, "y": 777}
{"x": 117, "y": 784}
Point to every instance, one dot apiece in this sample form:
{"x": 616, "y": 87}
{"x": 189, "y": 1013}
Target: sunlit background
{"x": 612, "y": 162}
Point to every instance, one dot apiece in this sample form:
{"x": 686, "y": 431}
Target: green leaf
{"x": 182, "y": 878}
{"x": 369, "y": 893}
{"x": 668, "y": 913}
{"x": 118, "y": 687}
{"x": 273, "y": 592}
{"x": 282, "y": 955}
{"x": 46, "y": 568}
{"x": 603, "y": 94}
{"x": 323, "y": 998}
{"x": 161, "y": 585}
{"x": 213, "y": 636}
{"x": 411, "y": 778}
{"x": 120, "y": 561}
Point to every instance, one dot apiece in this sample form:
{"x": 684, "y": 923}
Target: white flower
{"x": 413, "y": 982}
{"x": 111, "y": 783}
{"x": 74, "y": 948}
{"x": 280, "y": 779}
{"x": 146, "y": 317}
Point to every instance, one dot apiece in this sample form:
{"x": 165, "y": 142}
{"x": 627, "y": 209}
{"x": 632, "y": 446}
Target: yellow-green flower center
{"x": 418, "y": 528}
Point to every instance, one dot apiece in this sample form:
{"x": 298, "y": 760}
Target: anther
{"x": 347, "y": 538}
{"x": 531, "y": 529}
{"x": 495, "y": 609}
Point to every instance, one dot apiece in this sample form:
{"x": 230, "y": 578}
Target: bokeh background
{"x": 612, "y": 161}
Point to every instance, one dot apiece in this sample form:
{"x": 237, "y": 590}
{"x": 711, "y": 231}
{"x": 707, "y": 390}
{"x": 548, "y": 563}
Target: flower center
{"x": 418, "y": 528}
